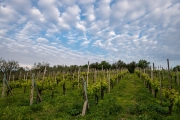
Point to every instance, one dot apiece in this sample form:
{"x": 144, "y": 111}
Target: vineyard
{"x": 95, "y": 94}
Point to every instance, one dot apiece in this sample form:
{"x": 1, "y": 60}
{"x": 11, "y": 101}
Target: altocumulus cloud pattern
{"x": 77, "y": 31}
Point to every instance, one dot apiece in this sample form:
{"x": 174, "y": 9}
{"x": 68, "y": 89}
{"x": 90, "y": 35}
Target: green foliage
{"x": 131, "y": 67}
{"x": 143, "y": 64}
{"x": 75, "y": 109}
{"x": 176, "y": 68}
{"x": 16, "y": 84}
{"x": 36, "y": 107}
{"x": 98, "y": 66}
{"x": 112, "y": 80}
{"x": 128, "y": 99}
{"x": 110, "y": 106}
{"x": 95, "y": 88}
{"x": 119, "y": 64}
{"x": 172, "y": 95}
{"x": 75, "y": 82}
{"x": 155, "y": 84}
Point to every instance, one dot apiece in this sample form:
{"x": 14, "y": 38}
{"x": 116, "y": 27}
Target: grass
{"x": 128, "y": 100}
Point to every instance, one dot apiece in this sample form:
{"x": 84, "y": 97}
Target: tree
{"x": 119, "y": 64}
{"x": 177, "y": 67}
{"x": 98, "y": 66}
{"x": 7, "y": 67}
{"x": 143, "y": 64}
{"x": 40, "y": 66}
{"x": 131, "y": 67}
{"x": 105, "y": 65}
{"x": 93, "y": 65}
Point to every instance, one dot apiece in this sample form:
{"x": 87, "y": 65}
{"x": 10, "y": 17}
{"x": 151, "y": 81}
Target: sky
{"x": 68, "y": 32}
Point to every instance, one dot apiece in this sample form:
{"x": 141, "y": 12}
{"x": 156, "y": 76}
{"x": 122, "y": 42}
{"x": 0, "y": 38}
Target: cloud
{"x": 49, "y": 10}
{"x": 42, "y": 40}
{"x": 73, "y": 32}
{"x": 71, "y": 15}
{"x": 80, "y": 27}
{"x": 103, "y": 10}
{"x": 30, "y": 29}
{"x": 8, "y": 14}
{"x": 21, "y": 6}
{"x": 84, "y": 2}
{"x": 36, "y": 15}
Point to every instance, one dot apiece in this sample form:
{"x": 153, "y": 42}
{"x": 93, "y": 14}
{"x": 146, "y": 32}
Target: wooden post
{"x": 85, "y": 89}
{"x": 13, "y": 78}
{"x": 162, "y": 73}
{"x": 109, "y": 83}
{"x": 55, "y": 79}
{"x": 38, "y": 94}
{"x": 87, "y": 73}
{"x": 153, "y": 72}
{"x": 64, "y": 86}
{"x": 20, "y": 75}
{"x": 32, "y": 90}
{"x": 3, "y": 86}
{"x": 26, "y": 76}
{"x": 117, "y": 76}
{"x": 160, "y": 87}
{"x": 95, "y": 72}
{"x": 153, "y": 92}
{"x": 10, "y": 76}
{"x": 144, "y": 70}
{"x": 177, "y": 77}
{"x": 44, "y": 74}
{"x": 85, "y": 106}
{"x": 140, "y": 72}
{"x": 38, "y": 73}
{"x": 169, "y": 76}
{"x": 9, "y": 89}
{"x": 78, "y": 76}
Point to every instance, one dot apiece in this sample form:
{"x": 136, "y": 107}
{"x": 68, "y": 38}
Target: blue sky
{"x": 76, "y": 31}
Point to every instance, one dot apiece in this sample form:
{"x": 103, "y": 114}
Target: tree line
{"x": 12, "y": 67}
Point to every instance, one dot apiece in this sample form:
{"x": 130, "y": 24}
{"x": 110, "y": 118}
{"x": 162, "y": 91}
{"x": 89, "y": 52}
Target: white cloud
{"x": 30, "y": 29}
{"x": 8, "y": 14}
{"x": 91, "y": 17}
{"x": 85, "y": 43}
{"x": 37, "y": 15}
{"x": 98, "y": 43}
{"x": 80, "y": 27}
{"x": 49, "y": 10}
{"x": 42, "y": 40}
{"x": 58, "y": 31}
{"x": 103, "y": 10}
{"x": 71, "y": 15}
{"x": 86, "y": 1}
{"x": 21, "y": 6}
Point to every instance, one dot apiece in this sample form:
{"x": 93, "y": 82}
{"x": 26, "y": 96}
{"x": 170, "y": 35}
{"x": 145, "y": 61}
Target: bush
{"x": 110, "y": 107}
{"x": 131, "y": 67}
{"x": 76, "y": 109}
{"x": 36, "y": 107}
{"x": 157, "y": 108}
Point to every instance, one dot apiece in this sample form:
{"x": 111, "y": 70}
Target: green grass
{"x": 128, "y": 100}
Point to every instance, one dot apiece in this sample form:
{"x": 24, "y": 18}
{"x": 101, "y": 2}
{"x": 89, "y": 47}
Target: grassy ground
{"x": 131, "y": 100}
{"x": 128, "y": 100}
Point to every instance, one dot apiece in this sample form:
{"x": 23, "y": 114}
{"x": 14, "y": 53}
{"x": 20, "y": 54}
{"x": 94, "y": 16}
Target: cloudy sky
{"x": 76, "y": 31}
